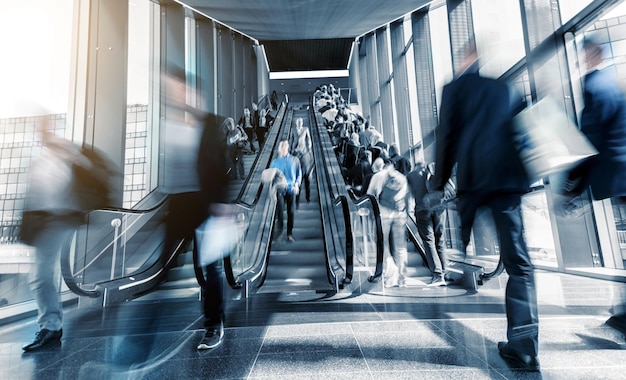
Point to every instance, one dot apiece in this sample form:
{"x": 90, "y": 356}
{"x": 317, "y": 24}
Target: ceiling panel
{"x": 308, "y": 28}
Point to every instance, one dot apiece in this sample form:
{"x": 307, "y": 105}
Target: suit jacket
{"x": 603, "y": 121}
{"x": 475, "y": 132}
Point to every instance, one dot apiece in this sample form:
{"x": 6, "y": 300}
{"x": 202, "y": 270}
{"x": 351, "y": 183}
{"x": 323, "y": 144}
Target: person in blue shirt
{"x": 290, "y": 166}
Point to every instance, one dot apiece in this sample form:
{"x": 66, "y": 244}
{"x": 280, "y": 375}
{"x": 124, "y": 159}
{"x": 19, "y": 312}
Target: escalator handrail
{"x": 353, "y": 204}
{"x": 236, "y": 282}
{"x": 66, "y": 271}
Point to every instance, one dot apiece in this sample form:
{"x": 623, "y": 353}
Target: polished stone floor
{"x": 364, "y": 332}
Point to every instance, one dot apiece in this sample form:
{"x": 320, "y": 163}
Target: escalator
{"x": 117, "y": 256}
{"x": 300, "y": 265}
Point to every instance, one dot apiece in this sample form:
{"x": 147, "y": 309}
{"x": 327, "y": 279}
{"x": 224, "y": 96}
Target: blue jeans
{"x": 394, "y": 232}
{"x": 44, "y": 277}
{"x": 430, "y": 225}
{"x": 521, "y": 296}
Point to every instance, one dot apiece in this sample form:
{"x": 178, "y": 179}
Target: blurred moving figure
{"x": 389, "y": 186}
{"x": 603, "y": 121}
{"x": 195, "y": 158}
{"x": 213, "y": 185}
{"x": 302, "y": 149}
{"x": 51, "y": 214}
{"x": 475, "y": 131}
{"x": 290, "y": 167}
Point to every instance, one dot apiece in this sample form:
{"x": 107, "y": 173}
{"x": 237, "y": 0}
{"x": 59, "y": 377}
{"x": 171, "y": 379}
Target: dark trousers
{"x": 236, "y": 159}
{"x": 260, "y": 135}
{"x": 430, "y": 225}
{"x": 521, "y": 296}
{"x": 212, "y": 296}
{"x": 288, "y": 199}
{"x": 250, "y": 133}
{"x": 307, "y": 189}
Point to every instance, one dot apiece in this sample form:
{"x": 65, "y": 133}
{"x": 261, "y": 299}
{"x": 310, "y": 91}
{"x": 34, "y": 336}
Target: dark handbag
{"x": 32, "y": 224}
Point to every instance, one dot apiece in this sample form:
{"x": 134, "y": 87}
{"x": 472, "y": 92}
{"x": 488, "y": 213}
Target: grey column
{"x": 384, "y": 81}
{"x": 206, "y": 65}
{"x": 425, "y": 81}
{"x": 401, "y": 86}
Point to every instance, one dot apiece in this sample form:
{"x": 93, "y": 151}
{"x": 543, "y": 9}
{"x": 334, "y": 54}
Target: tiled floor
{"x": 365, "y": 332}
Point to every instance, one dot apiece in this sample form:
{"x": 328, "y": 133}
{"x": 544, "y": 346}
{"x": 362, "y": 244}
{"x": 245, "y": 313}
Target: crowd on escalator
{"x": 372, "y": 166}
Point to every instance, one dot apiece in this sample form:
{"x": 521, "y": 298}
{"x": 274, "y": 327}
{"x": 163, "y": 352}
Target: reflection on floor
{"x": 364, "y": 332}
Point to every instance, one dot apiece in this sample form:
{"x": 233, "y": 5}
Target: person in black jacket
{"x": 213, "y": 185}
{"x": 603, "y": 121}
{"x": 475, "y": 132}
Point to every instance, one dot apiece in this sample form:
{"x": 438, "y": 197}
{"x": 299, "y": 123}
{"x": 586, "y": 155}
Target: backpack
{"x": 95, "y": 186}
{"x": 393, "y": 194}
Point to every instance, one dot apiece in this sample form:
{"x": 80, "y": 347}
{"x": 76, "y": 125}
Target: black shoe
{"x": 212, "y": 338}
{"x": 517, "y": 359}
{"x": 43, "y": 337}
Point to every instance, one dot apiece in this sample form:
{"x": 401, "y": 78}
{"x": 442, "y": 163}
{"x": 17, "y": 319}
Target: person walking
{"x": 389, "y": 186}
{"x": 290, "y": 167}
{"x": 475, "y": 131}
{"x": 302, "y": 150}
{"x": 430, "y": 220}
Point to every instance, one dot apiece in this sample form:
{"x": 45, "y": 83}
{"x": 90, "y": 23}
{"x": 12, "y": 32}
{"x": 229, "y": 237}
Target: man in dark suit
{"x": 603, "y": 121}
{"x": 475, "y": 132}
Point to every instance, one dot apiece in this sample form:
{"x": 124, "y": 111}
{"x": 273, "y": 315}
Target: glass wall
{"x": 34, "y": 75}
{"x": 138, "y": 154}
{"x": 415, "y": 130}
{"x": 499, "y": 35}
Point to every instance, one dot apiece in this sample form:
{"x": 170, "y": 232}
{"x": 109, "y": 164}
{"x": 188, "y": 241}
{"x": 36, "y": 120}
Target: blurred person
{"x": 246, "y": 122}
{"x": 51, "y": 215}
{"x": 399, "y": 162}
{"x": 290, "y": 167}
{"x": 475, "y": 132}
{"x": 603, "y": 122}
{"x": 236, "y": 143}
{"x": 213, "y": 189}
{"x": 389, "y": 186}
{"x": 302, "y": 149}
{"x": 181, "y": 141}
{"x": 430, "y": 221}
{"x": 195, "y": 158}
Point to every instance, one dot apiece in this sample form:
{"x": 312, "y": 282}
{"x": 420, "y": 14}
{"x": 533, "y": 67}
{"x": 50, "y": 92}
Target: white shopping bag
{"x": 217, "y": 237}
{"x": 548, "y": 141}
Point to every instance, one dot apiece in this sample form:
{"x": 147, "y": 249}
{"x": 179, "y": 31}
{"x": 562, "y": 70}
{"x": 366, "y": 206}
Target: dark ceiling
{"x": 302, "y": 35}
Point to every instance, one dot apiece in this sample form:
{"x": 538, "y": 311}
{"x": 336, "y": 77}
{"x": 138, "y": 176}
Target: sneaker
{"x": 290, "y": 238}
{"x": 402, "y": 283}
{"x": 42, "y": 338}
{"x": 212, "y": 338}
{"x": 437, "y": 281}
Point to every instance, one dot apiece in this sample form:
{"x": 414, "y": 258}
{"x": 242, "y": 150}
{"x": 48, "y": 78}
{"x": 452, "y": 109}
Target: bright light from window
{"x": 308, "y": 74}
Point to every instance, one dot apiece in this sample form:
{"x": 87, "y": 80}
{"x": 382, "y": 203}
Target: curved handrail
{"x": 66, "y": 271}
{"x": 380, "y": 243}
{"x": 341, "y": 189}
